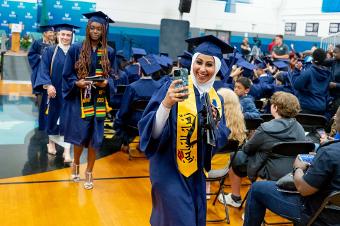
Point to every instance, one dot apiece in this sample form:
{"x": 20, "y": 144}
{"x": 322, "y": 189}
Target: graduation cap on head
{"x": 45, "y": 28}
{"x": 167, "y": 60}
{"x": 98, "y": 17}
{"x": 280, "y": 64}
{"x": 160, "y": 61}
{"x": 210, "y": 45}
{"x": 138, "y": 51}
{"x": 65, "y": 27}
{"x": 164, "y": 54}
{"x": 149, "y": 64}
{"x": 247, "y": 67}
{"x": 185, "y": 60}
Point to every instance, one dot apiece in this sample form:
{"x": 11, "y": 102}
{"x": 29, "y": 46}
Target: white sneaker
{"x": 229, "y": 200}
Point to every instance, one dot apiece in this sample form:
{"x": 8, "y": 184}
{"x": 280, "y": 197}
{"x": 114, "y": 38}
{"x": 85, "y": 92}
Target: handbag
{"x": 286, "y": 184}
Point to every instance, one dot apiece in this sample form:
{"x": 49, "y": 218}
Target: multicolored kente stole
{"x": 95, "y": 105}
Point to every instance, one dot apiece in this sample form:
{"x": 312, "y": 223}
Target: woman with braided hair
{"x": 86, "y": 102}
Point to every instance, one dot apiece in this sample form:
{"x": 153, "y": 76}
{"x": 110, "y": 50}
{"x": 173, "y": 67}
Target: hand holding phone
{"x": 306, "y": 158}
{"x": 181, "y": 74}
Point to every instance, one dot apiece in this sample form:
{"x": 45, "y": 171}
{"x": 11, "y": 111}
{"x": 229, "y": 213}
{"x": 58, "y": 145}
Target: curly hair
{"x": 234, "y": 116}
{"x": 287, "y": 104}
{"x": 82, "y": 66}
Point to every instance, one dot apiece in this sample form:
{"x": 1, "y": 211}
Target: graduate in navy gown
{"x": 34, "y": 59}
{"x": 142, "y": 89}
{"x": 36, "y": 50}
{"x": 50, "y": 78}
{"x": 86, "y": 101}
{"x": 178, "y": 157}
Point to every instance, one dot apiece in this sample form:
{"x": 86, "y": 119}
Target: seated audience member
{"x": 313, "y": 183}
{"x": 251, "y": 160}
{"x": 334, "y": 85}
{"x": 142, "y": 89}
{"x": 242, "y": 88}
{"x": 280, "y": 50}
{"x": 312, "y": 85}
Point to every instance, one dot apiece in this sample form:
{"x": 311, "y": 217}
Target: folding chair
{"x": 331, "y": 202}
{"x": 220, "y": 175}
{"x": 253, "y": 124}
{"x": 288, "y": 151}
{"x": 312, "y": 122}
{"x": 132, "y": 131}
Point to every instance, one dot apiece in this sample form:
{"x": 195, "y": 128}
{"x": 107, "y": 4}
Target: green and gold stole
{"x": 95, "y": 105}
{"x": 187, "y": 116}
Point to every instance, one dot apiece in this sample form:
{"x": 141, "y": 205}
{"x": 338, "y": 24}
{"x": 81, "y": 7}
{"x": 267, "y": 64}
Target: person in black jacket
{"x": 251, "y": 160}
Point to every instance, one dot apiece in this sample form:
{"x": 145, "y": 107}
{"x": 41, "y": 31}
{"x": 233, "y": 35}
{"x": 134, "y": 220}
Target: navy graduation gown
{"x": 81, "y": 131}
{"x": 176, "y": 200}
{"x": 142, "y": 89}
{"x": 54, "y": 77}
{"x": 34, "y": 58}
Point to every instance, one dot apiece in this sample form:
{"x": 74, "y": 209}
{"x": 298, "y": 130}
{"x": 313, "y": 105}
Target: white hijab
{"x": 204, "y": 88}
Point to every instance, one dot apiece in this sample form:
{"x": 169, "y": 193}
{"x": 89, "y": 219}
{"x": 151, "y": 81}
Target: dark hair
{"x": 245, "y": 82}
{"x": 319, "y": 55}
{"x": 279, "y": 36}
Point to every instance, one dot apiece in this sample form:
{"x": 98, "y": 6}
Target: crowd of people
{"x": 183, "y": 126}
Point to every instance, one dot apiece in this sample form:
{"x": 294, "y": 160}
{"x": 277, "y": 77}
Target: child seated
{"x": 242, "y": 88}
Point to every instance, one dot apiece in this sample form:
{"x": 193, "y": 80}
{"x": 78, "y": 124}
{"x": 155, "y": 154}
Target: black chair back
{"x": 231, "y": 146}
{"x": 312, "y": 122}
{"x": 293, "y": 148}
{"x": 267, "y": 117}
{"x": 252, "y": 124}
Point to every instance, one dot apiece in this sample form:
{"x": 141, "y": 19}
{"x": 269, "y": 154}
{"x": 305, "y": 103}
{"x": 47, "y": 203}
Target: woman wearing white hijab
{"x": 174, "y": 139}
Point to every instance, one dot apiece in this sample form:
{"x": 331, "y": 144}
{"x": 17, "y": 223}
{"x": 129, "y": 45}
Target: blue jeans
{"x": 264, "y": 195}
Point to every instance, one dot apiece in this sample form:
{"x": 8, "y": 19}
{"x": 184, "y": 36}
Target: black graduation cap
{"x": 67, "y": 27}
{"x": 99, "y": 17}
{"x": 45, "y": 28}
{"x": 210, "y": 45}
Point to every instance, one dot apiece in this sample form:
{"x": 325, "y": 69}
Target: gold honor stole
{"x": 186, "y": 154}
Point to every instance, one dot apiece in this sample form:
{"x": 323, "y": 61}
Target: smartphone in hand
{"x": 181, "y": 73}
{"x": 306, "y": 158}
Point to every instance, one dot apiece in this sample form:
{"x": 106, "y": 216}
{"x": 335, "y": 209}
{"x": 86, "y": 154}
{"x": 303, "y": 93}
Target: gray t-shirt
{"x": 281, "y": 50}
